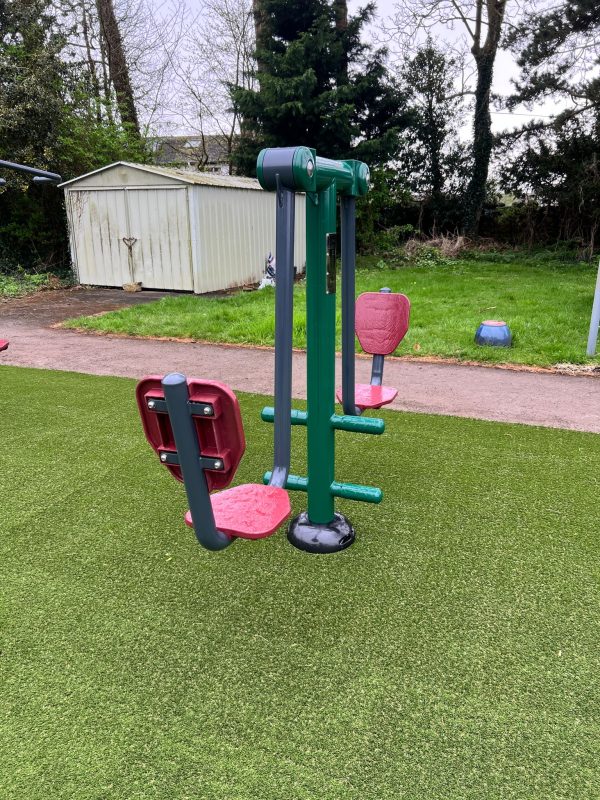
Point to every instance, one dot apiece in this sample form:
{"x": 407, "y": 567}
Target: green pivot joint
{"x": 300, "y": 170}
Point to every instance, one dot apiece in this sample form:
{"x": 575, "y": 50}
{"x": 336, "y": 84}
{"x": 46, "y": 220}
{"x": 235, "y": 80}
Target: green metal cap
{"x": 295, "y": 166}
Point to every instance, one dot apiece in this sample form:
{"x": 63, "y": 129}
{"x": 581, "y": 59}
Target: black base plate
{"x": 320, "y": 538}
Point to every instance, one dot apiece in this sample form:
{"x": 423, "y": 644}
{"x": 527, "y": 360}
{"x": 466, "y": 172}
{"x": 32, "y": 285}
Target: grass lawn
{"x": 450, "y": 654}
{"x": 546, "y": 301}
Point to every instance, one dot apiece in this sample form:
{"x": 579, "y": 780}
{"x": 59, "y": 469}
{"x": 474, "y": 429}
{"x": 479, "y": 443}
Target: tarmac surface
{"x": 551, "y": 400}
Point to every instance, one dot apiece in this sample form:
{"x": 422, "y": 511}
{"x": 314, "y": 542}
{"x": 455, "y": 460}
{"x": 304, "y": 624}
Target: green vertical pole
{"x": 320, "y": 345}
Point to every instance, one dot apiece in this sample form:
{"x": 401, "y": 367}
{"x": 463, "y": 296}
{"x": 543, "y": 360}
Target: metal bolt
{"x": 163, "y": 457}
{"x": 310, "y": 168}
{"x": 151, "y": 404}
{"x": 207, "y": 410}
{"x": 218, "y": 465}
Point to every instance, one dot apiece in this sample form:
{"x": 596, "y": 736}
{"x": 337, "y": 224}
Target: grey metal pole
{"x": 595, "y": 321}
{"x": 348, "y": 232}
{"x": 40, "y": 173}
{"x": 378, "y": 360}
{"x": 188, "y": 452}
{"x": 284, "y": 319}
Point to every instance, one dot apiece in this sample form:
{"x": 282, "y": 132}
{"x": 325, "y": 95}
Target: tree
{"x": 47, "y": 121}
{"x": 218, "y": 53}
{"x": 117, "y": 64}
{"x": 482, "y": 23}
{"x": 555, "y": 174}
{"x": 555, "y": 164}
{"x": 431, "y": 155}
{"x": 558, "y": 53}
{"x": 317, "y": 83}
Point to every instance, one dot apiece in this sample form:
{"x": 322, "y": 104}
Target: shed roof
{"x": 182, "y": 175}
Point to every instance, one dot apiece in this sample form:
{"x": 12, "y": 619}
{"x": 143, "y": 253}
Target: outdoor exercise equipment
{"x": 195, "y": 426}
{"x": 382, "y": 320}
{"x": 595, "y": 320}
{"x": 39, "y": 175}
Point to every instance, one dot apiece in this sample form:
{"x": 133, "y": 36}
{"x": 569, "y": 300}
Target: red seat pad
{"x": 367, "y": 396}
{"x": 3, "y": 344}
{"x": 381, "y": 321}
{"x": 250, "y": 511}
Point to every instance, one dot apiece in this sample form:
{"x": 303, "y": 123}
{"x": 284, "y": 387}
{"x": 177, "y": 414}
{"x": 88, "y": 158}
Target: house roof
{"x": 212, "y": 148}
{"x": 185, "y": 176}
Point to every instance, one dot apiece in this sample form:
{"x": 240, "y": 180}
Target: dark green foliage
{"x": 556, "y": 176}
{"x": 556, "y": 167}
{"x": 47, "y": 120}
{"x": 319, "y": 85}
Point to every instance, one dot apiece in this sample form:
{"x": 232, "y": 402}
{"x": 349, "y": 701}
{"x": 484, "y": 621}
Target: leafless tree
{"x": 218, "y": 53}
{"x": 138, "y": 80}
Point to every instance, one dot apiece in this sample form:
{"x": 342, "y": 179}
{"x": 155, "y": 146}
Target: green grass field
{"x": 547, "y": 302}
{"x": 450, "y": 654}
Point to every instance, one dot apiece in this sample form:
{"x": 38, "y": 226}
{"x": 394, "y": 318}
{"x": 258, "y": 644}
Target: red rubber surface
{"x": 367, "y": 396}
{"x": 3, "y": 344}
{"x": 381, "y": 321}
{"x": 221, "y": 436}
{"x": 250, "y": 511}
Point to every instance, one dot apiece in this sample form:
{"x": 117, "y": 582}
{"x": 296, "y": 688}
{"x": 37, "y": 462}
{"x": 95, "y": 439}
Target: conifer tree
{"x": 317, "y": 84}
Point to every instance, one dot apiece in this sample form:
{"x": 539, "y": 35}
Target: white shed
{"x": 172, "y": 229}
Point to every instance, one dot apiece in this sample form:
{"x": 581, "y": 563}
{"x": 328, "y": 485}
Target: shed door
{"x": 159, "y": 222}
{"x": 98, "y": 226}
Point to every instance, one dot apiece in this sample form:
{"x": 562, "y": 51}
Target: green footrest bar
{"x": 346, "y": 422}
{"x": 297, "y": 417}
{"x": 294, "y": 483}
{"x": 349, "y": 491}
{"x": 354, "y": 491}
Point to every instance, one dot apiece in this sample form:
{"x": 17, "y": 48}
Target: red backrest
{"x": 220, "y": 436}
{"x": 381, "y": 321}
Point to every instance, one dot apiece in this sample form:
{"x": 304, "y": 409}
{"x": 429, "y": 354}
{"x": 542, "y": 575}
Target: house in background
{"x": 194, "y": 152}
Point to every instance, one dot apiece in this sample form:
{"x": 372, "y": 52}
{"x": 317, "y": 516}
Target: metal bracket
{"x": 159, "y": 406}
{"x": 331, "y": 245}
{"x": 171, "y": 459}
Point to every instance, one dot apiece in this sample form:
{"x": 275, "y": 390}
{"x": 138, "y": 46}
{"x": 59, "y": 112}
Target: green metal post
{"x": 320, "y": 345}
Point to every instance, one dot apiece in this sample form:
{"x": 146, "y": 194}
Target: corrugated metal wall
{"x": 235, "y": 232}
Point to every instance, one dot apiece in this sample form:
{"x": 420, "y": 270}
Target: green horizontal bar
{"x": 297, "y": 418}
{"x": 349, "y": 491}
{"x": 346, "y": 422}
{"x": 353, "y": 491}
{"x": 294, "y": 483}
{"x": 329, "y": 170}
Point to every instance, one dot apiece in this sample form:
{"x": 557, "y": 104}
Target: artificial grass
{"x": 546, "y": 301}
{"x": 451, "y": 653}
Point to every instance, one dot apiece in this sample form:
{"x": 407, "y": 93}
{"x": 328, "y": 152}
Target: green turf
{"x": 452, "y": 653}
{"x": 547, "y": 302}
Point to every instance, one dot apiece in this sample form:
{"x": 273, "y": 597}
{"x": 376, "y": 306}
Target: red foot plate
{"x": 381, "y": 321}
{"x": 220, "y": 436}
{"x": 3, "y": 344}
{"x": 367, "y": 396}
{"x": 250, "y": 511}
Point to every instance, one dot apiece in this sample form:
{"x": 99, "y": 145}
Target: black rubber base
{"x": 314, "y": 538}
